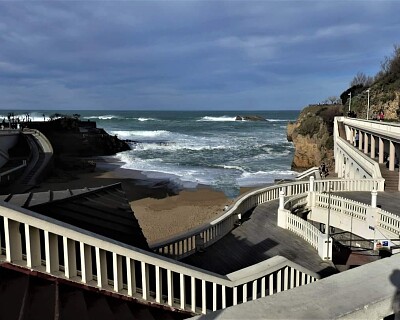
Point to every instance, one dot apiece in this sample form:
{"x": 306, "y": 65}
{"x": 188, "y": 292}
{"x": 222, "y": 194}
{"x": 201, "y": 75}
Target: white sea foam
{"x": 280, "y": 120}
{"x": 146, "y": 119}
{"x": 141, "y": 134}
{"x": 103, "y": 117}
{"x": 219, "y": 119}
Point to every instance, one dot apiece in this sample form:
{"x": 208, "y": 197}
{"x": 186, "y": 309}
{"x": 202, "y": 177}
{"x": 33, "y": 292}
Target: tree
{"x": 361, "y": 79}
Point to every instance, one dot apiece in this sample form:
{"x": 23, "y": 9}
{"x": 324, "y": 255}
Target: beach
{"x": 161, "y": 209}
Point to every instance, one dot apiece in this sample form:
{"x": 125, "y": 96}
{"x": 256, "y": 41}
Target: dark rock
{"x": 250, "y": 118}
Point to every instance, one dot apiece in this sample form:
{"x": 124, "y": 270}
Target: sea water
{"x": 198, "y": 147}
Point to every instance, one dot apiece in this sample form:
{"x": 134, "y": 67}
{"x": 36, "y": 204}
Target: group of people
{"x": 323, "y": 170}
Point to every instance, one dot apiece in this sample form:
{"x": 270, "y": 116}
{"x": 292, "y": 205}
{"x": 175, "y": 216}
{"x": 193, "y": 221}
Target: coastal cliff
{"x": 312, "y": 136}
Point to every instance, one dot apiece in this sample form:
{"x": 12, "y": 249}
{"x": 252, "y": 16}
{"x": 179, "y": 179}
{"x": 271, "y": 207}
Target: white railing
{"x": 314, "y": 171}
{"x": 341, "y": 205}
{"x": 388, "y": 221}
{"x": 188, "y": 243}
{"x": 363, "y": 160}
{"x": 304, "y": 230}
{"x": 383, "y": 129}
{"x": 46, "y": 245}
{"x": 6, "y": 174}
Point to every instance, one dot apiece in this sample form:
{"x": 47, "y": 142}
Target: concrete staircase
{"x": 28, "y": 296}
{"x": 391, "y": 178}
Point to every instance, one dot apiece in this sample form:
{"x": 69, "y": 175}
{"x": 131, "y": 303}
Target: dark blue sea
{"x": 199, "y": 147}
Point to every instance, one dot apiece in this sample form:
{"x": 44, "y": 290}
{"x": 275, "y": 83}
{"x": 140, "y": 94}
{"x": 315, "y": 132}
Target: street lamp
{"x": 349, "y": 101}
{"x": 368, "y": 104}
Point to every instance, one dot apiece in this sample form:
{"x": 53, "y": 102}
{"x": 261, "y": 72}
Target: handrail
{"x": 309, "y": 172}
{"x": 187, "y": 243}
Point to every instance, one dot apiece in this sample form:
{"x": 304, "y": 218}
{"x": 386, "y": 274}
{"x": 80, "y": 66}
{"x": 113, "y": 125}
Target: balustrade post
{"x": 372, "y": 146}
{"x": 282, "y": 213}
{"x": 263, "y": 289}
{"x": 69, "y": 258}
{"x": 13, "y": 240}
{"x": 223, "y": 288}
{"x": 391, "y": 155}
{"x": 244, "y": 293}
{"x": 101, "y": 268}
{"x": 203, "y": 297}
{"x": 214, "y": 296}
{"x": 170, "y": 286}
{"x": 145, "y": 280}
{"x": 32, "y": 240}
{"x": 182, "y": 289}
{"x": 254, "y": 297}
{"x": 131, "y": 276}
{"x": 381, "y": 150}
{"x": 51, "y": 251}
{"x": 117, "y": 272}
{"x": 235, "y": 296}
{"x": 193, "y": 293}
{"x": 158, "y": 284}
{"x": 86, "y": 263}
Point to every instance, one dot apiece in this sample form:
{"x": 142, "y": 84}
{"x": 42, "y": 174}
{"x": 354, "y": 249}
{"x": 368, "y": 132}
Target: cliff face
{"x": 312, "y": 136}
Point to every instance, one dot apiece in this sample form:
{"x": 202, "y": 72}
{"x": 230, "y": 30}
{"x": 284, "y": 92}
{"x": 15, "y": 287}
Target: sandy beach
{"x": 161, "y": 209}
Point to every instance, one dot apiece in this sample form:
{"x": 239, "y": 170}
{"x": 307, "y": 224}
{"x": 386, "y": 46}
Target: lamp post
{"x": 368, "y": 104}
{"x": 350, "y": 101}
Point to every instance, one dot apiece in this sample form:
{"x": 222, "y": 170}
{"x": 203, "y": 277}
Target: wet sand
{"x": 162, "y": 209}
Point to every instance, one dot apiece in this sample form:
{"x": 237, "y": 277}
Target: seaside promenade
{"x": 259, "y": 256}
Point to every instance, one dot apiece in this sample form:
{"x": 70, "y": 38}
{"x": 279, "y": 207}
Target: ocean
{"x": 198, "y": 147}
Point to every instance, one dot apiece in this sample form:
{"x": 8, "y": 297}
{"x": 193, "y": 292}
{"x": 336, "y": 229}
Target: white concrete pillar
{"x": 374, "y": 195}
{"x": 69, "y": 258}
{"x": 281, "y": 199}
{"x": 381, "y": 150}
{"x": 223, "y": 288}
{"x": 158, "y": 284}
{"x": 263, "y": 288}
{"x": 170, "y": 286}
{"x": 372, "y": 146}
{"x": 279, "y": 281}
{"x": 244, "y": 293}
{"x": 214, "y": 296}
{"x": 145, "y": 280}
{"x": 131, "y": 276}
{"x": 117, "y": 272}
{"x": 351, "y": 138}
{"x": 13, "y": 240}
{"x": 391, "y": 155}
{"x": 51, "y": 252}
{"x": 203, "y": 297}
{"x": 193, "y": 293}
{"x": 101, "y": 268}
{"x": 86, "y": 263}
{"x": 235, "y": 296}
{"x": 183, "y": 291}
{"x": 311, "y": 185}
{"x": 360, "y": 143}
{"x": 32, "y": 241}
{"x": 254, "y": 296}
{"x": 271, "y": 284}
{"x": 365, "y": 142}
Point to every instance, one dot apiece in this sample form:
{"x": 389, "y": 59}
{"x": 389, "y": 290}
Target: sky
{"x": 188, "y": 55}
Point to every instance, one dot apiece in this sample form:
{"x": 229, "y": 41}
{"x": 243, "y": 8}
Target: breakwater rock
{"x": 312, "y": 136}
{"x": 250, "y": 118}
{"x": 72, "y": 137}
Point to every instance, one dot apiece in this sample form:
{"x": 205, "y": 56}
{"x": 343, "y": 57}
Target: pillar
{"x": 372, "y": 146}
{"x": 13, "y": 240}
{"x": 170, "y": 287}
{"x": 374, "y": 195}
{"x": 32, "y": 240}
{"x": 51, "y": 251}
{"x": 86, "y": 263}
{"x": 365, "y": 142}
{"x": 101, "y": 267}
{"x": 69, "y": 258}
{"x": 391, "y": 155}
{"x": 360, "y": 143}
{"x": 158, "y": 284}
{"x": 193, "y": 293}
{"x": 381, "y": 150}
{"x": 131, "y": 276}
{"x": 281, "y": 199}
{"x": 117, "y": 272}
{"x": 145, "y": 280}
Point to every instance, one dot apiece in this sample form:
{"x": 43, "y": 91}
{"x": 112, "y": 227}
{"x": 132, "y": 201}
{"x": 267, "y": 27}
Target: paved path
{"x": 258, "y": 239}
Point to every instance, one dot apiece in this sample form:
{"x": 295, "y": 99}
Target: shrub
{"x": 309, "y": 126}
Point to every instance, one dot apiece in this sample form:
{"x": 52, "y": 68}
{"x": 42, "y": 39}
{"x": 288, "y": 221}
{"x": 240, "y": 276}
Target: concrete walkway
{"x": 257, "y": 239}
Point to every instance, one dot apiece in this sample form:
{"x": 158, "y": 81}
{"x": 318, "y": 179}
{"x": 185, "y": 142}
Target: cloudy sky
{"x": 194, "y": 55}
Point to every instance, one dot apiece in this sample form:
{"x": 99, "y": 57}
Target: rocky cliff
{"x": 312, "y": 136}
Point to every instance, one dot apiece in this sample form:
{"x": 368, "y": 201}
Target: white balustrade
{"x": 82, "y": 256}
